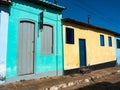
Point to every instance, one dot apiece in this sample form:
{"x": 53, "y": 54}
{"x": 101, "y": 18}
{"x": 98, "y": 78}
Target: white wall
{"x": 3, "y": 39}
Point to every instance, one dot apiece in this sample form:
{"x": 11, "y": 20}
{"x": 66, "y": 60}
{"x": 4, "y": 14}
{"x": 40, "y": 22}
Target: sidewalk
{"x": 61, "y": 82}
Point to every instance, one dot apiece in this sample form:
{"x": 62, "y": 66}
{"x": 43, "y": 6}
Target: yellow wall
{"x": 95, "y": 54}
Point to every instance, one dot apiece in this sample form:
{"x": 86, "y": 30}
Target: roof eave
{"x": 88, "y": 25}
{"x": 46, "y": 4}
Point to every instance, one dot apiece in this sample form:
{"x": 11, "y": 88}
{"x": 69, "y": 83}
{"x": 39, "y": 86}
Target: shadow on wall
{"x": 102, "y": 86}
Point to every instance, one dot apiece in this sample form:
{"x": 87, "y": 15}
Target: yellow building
{"x": 87, "y": 45}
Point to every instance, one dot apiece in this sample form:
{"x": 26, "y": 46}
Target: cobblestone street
{"x": 104, "y": 79}
{"x": 111, "y": 82}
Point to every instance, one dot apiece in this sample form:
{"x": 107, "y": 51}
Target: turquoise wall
{"x": 43, "y": 63}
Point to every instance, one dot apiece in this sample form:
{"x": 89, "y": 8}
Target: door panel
{"x": 47, "y": 40}
{"x": 82, "y": 52}
{"x": 26, "y": 48}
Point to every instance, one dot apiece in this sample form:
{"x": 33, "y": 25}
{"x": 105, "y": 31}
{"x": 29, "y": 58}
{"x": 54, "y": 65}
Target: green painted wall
{"x": 21, "y": 10}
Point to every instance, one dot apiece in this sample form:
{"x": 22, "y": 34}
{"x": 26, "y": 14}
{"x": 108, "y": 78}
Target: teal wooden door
{"x": 82, "y": 52}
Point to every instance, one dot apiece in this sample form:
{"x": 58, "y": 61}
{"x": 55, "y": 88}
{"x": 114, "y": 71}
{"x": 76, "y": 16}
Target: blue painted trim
{"x": 102, "y": 42}
{"x": 69, "y": 35}
{"x": 82, "y": 52}
{"x": 110, "y": 41}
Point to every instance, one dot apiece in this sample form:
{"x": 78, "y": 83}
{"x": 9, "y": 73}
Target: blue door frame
{"x": 82, "y": 52}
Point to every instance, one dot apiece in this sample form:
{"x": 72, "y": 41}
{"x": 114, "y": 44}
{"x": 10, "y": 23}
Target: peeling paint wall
{"x": 95, "y": 54}
{"x": 4, "y": 14}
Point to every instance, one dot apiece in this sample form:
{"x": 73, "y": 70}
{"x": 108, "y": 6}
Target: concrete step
{"x": 85, "y": 70}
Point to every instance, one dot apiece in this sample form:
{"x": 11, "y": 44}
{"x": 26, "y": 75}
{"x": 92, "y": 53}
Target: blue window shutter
{"x": 69, "y": 36}
{"x": 102, "y": 40}
{"x": 110, "y": 41}
{"x": 118, "y": 43}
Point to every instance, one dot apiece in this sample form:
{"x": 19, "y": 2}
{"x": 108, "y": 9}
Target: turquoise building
{"x": 34, "y": 40}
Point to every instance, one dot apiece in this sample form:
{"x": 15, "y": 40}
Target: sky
{"x": 103, "y": 13}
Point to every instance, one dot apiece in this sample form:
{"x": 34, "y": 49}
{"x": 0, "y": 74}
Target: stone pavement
{"x": 60, "y": 82}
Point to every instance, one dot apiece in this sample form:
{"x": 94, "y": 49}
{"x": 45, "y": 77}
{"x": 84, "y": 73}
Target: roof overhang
{"x": 46, "y": 4}
{"x": 88, "y": 25}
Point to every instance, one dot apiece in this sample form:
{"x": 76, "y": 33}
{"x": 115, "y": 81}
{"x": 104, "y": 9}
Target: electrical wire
{"x": 94, "y": 12}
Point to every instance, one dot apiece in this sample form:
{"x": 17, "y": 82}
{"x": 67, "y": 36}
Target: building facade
{"x": 117, "y": 46}
{"x": 33, "y": 40}
{"x": 87, "y": 45}
{"x": 4, "y": 15}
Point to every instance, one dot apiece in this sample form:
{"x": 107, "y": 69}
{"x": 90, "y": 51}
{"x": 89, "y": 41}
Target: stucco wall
{"x": 4, "y": 14}
{"x": 21, "y": 10}
{"x": 95, "y": 54}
